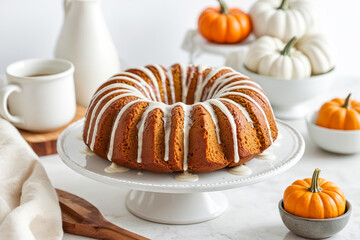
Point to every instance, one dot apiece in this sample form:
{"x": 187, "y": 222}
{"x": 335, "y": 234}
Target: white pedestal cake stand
{"x": 233, "y": 54}
{"x": 161, "y": 198}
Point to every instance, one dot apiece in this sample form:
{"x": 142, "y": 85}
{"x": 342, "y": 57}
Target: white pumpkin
{"x": 319, "y": 51}
{"x": 271, "y": 57}
{"x": 283, "y": 19}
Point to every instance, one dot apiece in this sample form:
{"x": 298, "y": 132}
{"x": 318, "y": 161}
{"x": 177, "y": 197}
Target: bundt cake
{"x": 186, "y": 117}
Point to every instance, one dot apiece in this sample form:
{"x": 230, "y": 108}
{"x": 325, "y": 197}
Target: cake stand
{"x": 196, "y": 45}
{"x": 161, "y": 198}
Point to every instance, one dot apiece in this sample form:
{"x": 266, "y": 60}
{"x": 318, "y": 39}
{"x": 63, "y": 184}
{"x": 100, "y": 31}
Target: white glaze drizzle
{"x": 143, "y": 87}
{"x": 141, "y": 125}
{"x": 167, "y": 130}
{"x": 143, "y": 82}
{"x": 115, "y": 86}
{"x": 103, "y": 109}
{"x": 276, "y": 143}
{"x": 117, "y": 90}
{"x": 240, "y": 107}
{"x": 116, "y": 124}
{"x": 200, "y": 79}
{"x": 184, "y": 84}
{"x": 230, "y": 117}
{"x": 87, "y": 151}
{"x": 222, "y": 81}
{"x": 213, "y": 115}
{"x": 163, "y": 81}
{"x": 186, "y": 177}
{"x": 171, "y": 84}
{"x": 114, "y": 168}
{"x": 266, "y": 155}
{"x": 226, "y": 91}
{"x": 241, "y": 170}
{"x": 153, "y": 79}
{"x": 257, "y": 105}
{"x": 187, "y": 125}
{"x": 210, "y": 75}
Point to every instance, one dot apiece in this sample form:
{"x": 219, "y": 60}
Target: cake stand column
{"x": 176, "y": 208}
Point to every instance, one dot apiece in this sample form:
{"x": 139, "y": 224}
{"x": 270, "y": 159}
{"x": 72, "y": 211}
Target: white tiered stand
{"x": 161, "y": 198}
{"x": 233, "y": 54}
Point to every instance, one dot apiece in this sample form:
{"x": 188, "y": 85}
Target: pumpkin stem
{"x": 288, "y": 46}
{"x": 284, "y": 5}
{"x": 314, "y": 188}
{"x": 224, "y": 8}
{"x": 347, "y": 101}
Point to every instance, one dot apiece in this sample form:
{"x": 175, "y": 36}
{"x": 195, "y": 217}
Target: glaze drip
{"x": 186, "y": 177}
{"x": 241, "y": 170}
{"x": 114, "y": 168}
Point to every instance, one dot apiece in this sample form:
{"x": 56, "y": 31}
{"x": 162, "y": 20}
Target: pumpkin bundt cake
{"x": 186, "y": 117}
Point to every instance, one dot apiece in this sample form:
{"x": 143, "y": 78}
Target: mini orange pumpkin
{"x": 341, "y": 114}
{"x": 224, "y": 25}
{"x": 314, "y": 198}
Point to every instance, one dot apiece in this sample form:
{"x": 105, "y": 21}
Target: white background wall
{"x": 151, "y": 31}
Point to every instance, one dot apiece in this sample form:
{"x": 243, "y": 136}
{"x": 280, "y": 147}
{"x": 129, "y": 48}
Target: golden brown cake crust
{"x": 137, "y": 119}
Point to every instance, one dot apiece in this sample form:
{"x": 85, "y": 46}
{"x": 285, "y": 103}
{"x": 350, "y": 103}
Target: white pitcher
{"x": 86, "y": 41}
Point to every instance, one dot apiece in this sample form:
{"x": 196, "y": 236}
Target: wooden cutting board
{"x": 80, "y": 217}
{"x": 45, "y": 143}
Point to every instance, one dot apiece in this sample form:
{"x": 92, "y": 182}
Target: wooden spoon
{"x": 80, "y": 217}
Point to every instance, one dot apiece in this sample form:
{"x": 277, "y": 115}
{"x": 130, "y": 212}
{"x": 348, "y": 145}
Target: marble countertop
{"x": 252, "y": 212}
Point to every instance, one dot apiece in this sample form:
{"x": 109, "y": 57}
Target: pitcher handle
{"x": 5, "y": 92}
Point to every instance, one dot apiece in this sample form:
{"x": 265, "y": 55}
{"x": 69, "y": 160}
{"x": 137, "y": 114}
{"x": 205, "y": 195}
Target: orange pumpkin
{"x": 314, "y": 198}
{"x": 341, "y": 114}
{"x": 224, "y": 25}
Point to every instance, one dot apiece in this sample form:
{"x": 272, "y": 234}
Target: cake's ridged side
{"x": 125, "y": 148}
{"x": 167, "y": 85}
{"x": 176, "y": 140}
{"x": 121, "y": 78}
{"x": 256, "y": 115}
{"x": 176, "y": 73}
{"x": 145, "y": 77}
{"x": 227, "y": 142}
{"x": 207, "y": 83}
{"x": 248, "y": 143}
{"x": 205, "y": 154}
{"x": 105, "y": 124}
{"x": 156, "y": 73}
{"x": 97, "y": 97}
{"x": 193, "y": 77}
{"x": 92, "y": 124}
{"x": 152, "y": 158}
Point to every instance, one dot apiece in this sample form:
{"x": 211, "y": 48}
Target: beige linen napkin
{"x": 29, "y": 206}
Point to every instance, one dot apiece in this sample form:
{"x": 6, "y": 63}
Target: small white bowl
{"x": 337, "y": 141}
{"x": 287, "y": 97}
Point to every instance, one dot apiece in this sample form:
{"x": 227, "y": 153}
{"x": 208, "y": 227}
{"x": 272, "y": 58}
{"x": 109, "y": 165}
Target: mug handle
{"x": 4, "y": 95}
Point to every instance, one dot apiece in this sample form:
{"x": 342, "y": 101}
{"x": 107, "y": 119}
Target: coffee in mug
{"x": 40, "y": 94}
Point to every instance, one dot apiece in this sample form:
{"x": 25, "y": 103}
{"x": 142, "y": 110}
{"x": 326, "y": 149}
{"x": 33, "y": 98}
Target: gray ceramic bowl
{"x": 314, "y": 228}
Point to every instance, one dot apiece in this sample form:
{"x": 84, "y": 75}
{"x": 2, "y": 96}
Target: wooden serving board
{"x": 45, "y": 143}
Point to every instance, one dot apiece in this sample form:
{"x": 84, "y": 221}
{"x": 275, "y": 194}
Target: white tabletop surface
{"x": 252, "y": 213}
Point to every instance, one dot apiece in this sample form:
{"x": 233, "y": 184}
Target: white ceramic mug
{"x": 39, "y": 95}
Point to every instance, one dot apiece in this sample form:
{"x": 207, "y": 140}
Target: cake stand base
{"x": 290, "y": 112}
{"x": 176, "y": 208}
